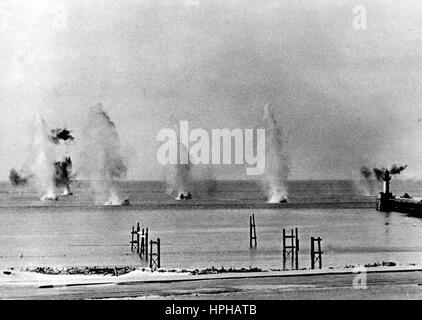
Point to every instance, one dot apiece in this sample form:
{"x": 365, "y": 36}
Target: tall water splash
{"x": 276, "y": 159}
{"x": 42, "y": 167}
{"x": 63, "y": 177}
{"x": 103, "y": 163}
{"x": 178, "y": 176}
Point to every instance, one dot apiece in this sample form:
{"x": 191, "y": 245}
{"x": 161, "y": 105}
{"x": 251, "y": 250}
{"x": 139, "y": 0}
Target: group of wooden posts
{"x": 139, "y": 243}
{"x": 290, "y": 248}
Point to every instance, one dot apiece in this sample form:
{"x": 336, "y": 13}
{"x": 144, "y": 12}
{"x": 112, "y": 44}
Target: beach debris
{"x": 82, "y": 270}
{"x": 213, "y": 270}
{"x": 381, "y": 264}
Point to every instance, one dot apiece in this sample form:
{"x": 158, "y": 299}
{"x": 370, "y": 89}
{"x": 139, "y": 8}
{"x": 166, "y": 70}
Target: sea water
{"x": 210, "y": 230}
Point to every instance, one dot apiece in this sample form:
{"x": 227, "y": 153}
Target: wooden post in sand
{"x": 291, "y": 250}
{"x": 297, "y": 249}
{"x": 158, "y": 253}
{"x": 138, "y": 231}
{"x": 316, "y": 255}
{"x": 144, "y": 243}
{"x": 131, "y": 241}
{"x": 154, "y": 256}
{"x": 252, "y": 230}
{"x": 284, "y": 249}
{"x": 134, "y": 243}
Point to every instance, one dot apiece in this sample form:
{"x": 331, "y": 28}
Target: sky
{"x": 345, "y": 97}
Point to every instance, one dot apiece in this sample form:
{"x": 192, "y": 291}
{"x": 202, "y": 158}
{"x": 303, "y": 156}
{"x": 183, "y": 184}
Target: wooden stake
{"x": 284, "y": 249}
{"x": 297, "y": 249}
{"x": 250, "y": 231}
{"x": 158, "y": 253}
{"x": 132, "y": 233}
{"x": 146, "y": 244}
{"x": 138, "y": 229}
{"x": 320, "y": 253}
{"x": 150, "y": 254}
{"x": 312, "y": 254}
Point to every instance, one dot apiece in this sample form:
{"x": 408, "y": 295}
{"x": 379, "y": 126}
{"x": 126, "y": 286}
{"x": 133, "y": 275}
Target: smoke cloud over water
{"x": 17, "y": 178}
{"x": 101, "y": 156}
{"x": 276, "y": 159}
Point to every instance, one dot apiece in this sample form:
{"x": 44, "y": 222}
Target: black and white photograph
{"x": 210, "y": 150}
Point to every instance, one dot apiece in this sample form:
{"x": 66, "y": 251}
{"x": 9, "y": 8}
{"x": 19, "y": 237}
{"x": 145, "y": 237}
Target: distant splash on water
{"x": 276, "y": 159}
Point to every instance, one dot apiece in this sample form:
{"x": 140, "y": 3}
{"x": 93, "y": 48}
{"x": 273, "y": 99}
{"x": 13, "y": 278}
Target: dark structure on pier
{"x": 387, "y": 202}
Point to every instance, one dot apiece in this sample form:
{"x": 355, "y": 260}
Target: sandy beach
{"x": 399, "y": 282}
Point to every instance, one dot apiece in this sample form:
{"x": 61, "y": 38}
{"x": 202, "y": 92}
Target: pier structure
{"x": 385, "y": 197}
{"x": 139, "y": 241}
{"x": 387, "y": 202}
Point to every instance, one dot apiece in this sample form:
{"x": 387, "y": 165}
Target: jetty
{"x": 387, "y": 202}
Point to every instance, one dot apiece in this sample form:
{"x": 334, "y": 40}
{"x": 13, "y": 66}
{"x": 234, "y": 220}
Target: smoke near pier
{"x": 371, "y": 176}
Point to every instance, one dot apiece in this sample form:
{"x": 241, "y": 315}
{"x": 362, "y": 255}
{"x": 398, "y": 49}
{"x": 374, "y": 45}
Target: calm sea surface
{"x": 211, "y": 230}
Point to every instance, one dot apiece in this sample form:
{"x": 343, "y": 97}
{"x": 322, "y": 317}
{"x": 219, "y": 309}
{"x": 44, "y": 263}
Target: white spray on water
{"x": 103, "y": 164}
{"x": 42, "y": 168}
{"x": 276, "y": 159}
{"x": 178, "y": 176}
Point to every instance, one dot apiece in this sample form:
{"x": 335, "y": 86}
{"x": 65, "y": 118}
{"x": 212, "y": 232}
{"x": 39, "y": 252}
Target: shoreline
{"x": 162, "y": 274}
{"x": 400, "y": 282}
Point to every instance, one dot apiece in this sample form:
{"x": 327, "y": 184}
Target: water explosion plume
{"x": 103, "y": 163}
{"x": 178, "y": 176}
{"x": 44, "y": 172}
{"x": 62, "y": 177}
{"x": 42, "y": 167}
{"x": 367, "y": 174}
{"x": 276, "y": 159}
